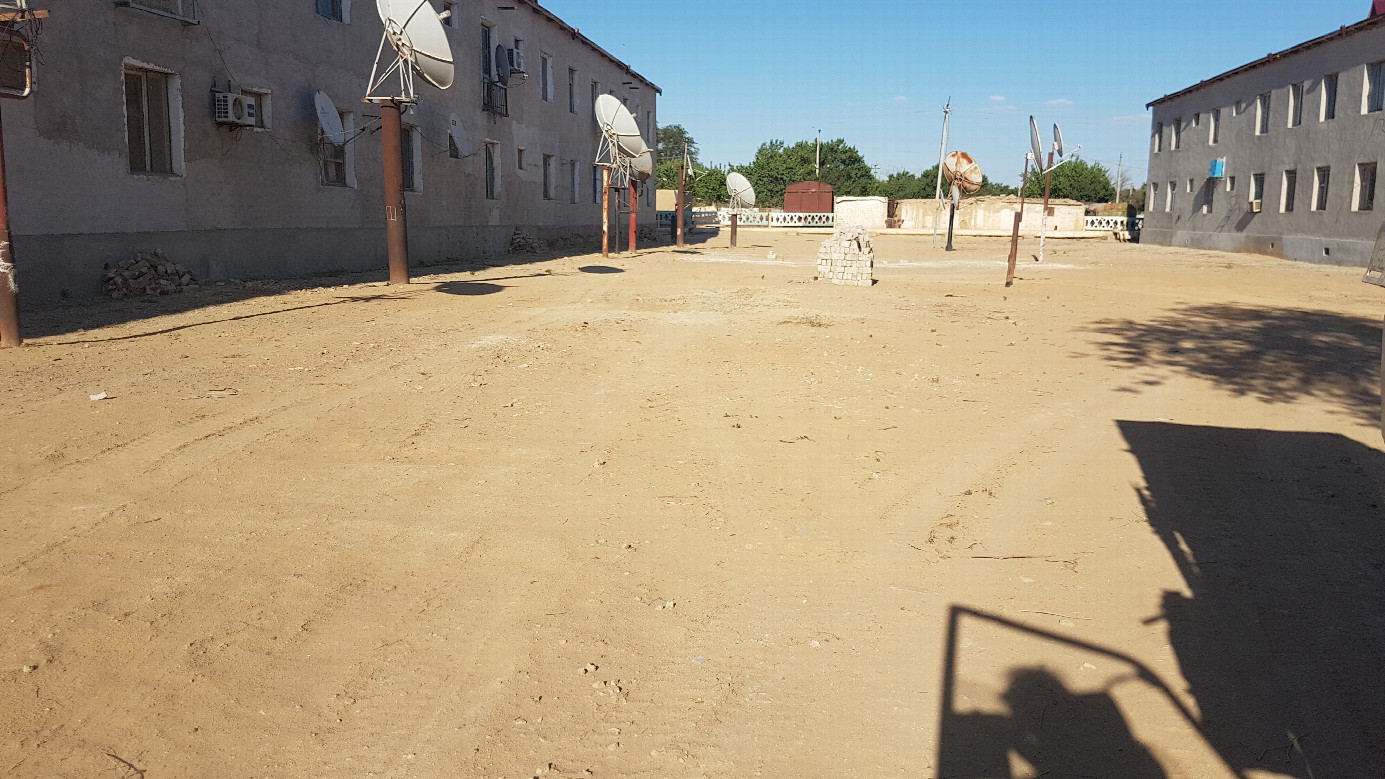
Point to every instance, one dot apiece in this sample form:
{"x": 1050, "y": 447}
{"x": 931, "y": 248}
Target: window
{"x": 1295, "y": 104}
{"x": 490, "y": 171}
{"x": 1328, "y": 111}
{"x": 1208, "y": 192}
{"x": 1168, "y": 195}
{"x": 1320, "y": 180}
{"x": 546, "y": 77}
{"x": 571, "y": 91}
{"x": 150, "y": 105}
{"x": 1365, "y": 187}
{"x": 1230, "y": 183}
{"x": 548, "y": 177}
{"x": 411, "y": 157}
{"x": 649, "y": 125}
{"x": 1214, "y": 132}
{"x": 1154, "y": 192}
{"x": 177, "y": 9}
{"x": 487, "y": 53}
{"x": 1374, "y": 98}
{"x": 1257, "y": 187}
{"x": 1190, "y": 186}
{"x": 596, "y": 90}
{"x": 1158, "y": 138}
{"x": 519, "y": 158}
{"x": 1239, "y": 108}
{"x": 1262, "y": 114}
{"x": 1176, "y": 142}
{"x": 1197, "y": 120}
{"x": 573, "y": 189}
{"x": 449, "y": 10}
{"x": 596, "y": 184}
{"x": 337, "y": 168}
{"x": 1288, "y": 191}
{"x": 336, "y": 10}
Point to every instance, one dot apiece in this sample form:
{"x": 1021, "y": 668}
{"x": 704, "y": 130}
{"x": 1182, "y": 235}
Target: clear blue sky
{"x": 736, "y": 73}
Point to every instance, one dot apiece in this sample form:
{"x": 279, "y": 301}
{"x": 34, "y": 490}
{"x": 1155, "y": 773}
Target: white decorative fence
{"x": 694, "y": 219}
{"x": 776, "y": 219}
{"x": 1131, "y": 224}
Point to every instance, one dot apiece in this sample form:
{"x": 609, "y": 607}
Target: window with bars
{"x": 148, "y": 123}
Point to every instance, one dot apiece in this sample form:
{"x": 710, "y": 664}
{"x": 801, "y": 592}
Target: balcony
{"x": 496, "y": 98}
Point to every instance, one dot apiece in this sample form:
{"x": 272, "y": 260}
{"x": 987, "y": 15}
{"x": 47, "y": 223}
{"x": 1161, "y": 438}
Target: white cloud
{"x": 901, "y": 99}
{"x": 1062, "y": 101}
{"x": 1131, "y": 118}
{"x": 997, "y": 98}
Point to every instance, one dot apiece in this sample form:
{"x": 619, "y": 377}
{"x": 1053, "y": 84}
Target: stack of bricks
{"x": 847, "y": 258}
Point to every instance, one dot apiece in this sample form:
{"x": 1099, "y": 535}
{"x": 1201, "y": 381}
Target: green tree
{"x": 777, "y": 165}
{"x": 670, "y": 141}
{"x": 1075, "y": 180}
{"x": 709, "y": 187}
{"x": 1135, "y": 197}
{"x": 906, "y": 185}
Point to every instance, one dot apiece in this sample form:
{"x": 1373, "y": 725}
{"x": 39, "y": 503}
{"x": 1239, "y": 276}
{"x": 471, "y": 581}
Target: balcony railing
{"x": 496, "y": 98}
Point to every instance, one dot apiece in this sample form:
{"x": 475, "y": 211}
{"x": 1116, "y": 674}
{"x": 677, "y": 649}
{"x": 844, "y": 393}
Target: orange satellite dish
{"x": 962, "y": 172}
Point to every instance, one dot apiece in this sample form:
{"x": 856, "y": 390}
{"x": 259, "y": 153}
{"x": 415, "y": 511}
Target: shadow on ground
{"x": 1280, "y": 538}
{"x": 1276, "y": 355}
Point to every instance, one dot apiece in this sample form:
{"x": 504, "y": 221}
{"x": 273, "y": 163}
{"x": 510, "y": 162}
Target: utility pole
{"x": 817, "y": 163}
{"x": 938, "y": 190}
{"x": 1120, "y": 166}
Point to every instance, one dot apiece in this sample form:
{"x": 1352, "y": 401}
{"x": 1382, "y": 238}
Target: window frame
{"x": 1296, "y": 104}
{"x": 547, "y": 90}
{"x": 1360, "y": 187}
{"x": 1288, "y": 190}
{"x": 1176, "y": 135}
{"x": 1327, "y": 108}
{"x": 1257, "y": 188}
{"x": 1322, "y": 182}
{"x": 1158, "y": 138}
{"x": 1262, "y": 113}
{"x": 346, "y": 160}
{"x": 1373, "y": 88}
{"x": 1214, "y": 129}
{"x": 342, "y": 8}
{"x": 492, "y": 177}
{"x": 170, "y": 114}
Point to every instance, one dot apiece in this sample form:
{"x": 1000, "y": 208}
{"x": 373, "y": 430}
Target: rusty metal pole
{"x": 9, "y": 305}
{"x": 1048, "y": 185}
{"x": 605, "y": 211}
{"x": 734, "y": 219}
{"x": 631, "y": 245}
{"x": 682, "y": 171}
{"x": 1015, "y": 232}
{"x": 396, "y": 222}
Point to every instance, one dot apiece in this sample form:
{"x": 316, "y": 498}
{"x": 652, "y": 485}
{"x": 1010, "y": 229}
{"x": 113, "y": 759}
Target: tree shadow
{"x": 469, "y": 288}
{"x": 1280, "y": 538}
{"x": 1276, "y": 355}
{"x": 600, "y": 269}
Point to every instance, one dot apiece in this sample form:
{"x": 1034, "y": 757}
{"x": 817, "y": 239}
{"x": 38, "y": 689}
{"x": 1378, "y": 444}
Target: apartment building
{"x": 1279, "y": 156}
{"x": 188, "y": 126}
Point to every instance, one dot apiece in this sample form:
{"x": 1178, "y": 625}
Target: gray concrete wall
{"x": 251, "y": 202}
{"x": 1340, "y": 234}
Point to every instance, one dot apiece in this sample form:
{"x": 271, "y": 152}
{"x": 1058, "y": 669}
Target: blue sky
{"x": 736, "y": 73}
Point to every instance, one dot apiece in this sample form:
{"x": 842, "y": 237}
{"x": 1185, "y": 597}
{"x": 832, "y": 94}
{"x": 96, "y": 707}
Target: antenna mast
{"x": 942, "y": 153}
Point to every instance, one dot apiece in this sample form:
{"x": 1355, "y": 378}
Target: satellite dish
{"x": 413, "y": 29}
{"x": 616, "y": 120}
{"x": 454, "y": 129}
{"x": 1035, "y": 144}
{"x": 1057, "y": 139}
{"x": 962, "y": 172}
{"x": 502, "y": 66}
{"x": 642, "y": 166}
{"x": 742, "y": 194}
{"x": 328, "y": 119}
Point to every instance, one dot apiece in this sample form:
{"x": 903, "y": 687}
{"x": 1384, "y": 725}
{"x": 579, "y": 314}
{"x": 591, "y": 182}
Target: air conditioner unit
{"x": 1255, "y": 206}
{"x": 516, "y": 61}
{"x": 235, "y": 108}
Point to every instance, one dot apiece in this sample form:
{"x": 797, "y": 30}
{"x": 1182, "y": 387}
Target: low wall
{"x": 992, "y": 214}
{"x": 867, "y": 212}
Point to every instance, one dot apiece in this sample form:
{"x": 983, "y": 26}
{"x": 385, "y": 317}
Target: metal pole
{"x": 605, "y": 211}
{"x": 1043, "y": 225}
{"x": 682, "y": 181}
{"x": 734, "y": 216}
{"x": 631, "y": 245}
{"x": 951, "y": 217}
{"x": 1120, "y": 165}
{"x": 817, "y": 163}
{"x": 9, "y": 289}
{"x": 1015, "y": 232}
{"x": 938, "y": 189}
{"x": 396, "y": 221}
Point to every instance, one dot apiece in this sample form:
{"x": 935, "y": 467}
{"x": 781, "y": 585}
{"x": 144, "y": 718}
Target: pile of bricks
{"x": 148, "y": 273}
{"x": 847, "y": 258}
{"x": 523, "y": 242}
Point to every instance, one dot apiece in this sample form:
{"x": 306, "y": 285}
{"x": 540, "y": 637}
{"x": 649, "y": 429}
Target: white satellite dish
{"x": 742, "y": 194}
{"x": 458, "y": 135}
{"x": 502, "y": 66}
{"x": 420, "y": 45}
{"x": 1057, "y": 139}
{"x": 616, "y": 120}
{"x": 328, "y": 119}
{"x": 642, "y": 166}
{"x": 1035, "y": 144}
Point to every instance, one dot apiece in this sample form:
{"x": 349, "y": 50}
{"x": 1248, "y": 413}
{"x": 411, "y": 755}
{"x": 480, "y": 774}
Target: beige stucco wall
{"x": 867, "y": 212}
{"x": 250, "y": 202}
{"x": 992, "y": 213}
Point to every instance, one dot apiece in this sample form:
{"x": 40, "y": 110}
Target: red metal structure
{"x": 809, "y": 197}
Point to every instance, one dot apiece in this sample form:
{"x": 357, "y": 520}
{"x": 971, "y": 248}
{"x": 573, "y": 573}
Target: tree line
{"x": 777, "y": 165}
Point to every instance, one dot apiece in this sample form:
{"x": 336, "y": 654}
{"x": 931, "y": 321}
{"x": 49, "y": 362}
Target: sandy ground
{"x": 692, "y": 514}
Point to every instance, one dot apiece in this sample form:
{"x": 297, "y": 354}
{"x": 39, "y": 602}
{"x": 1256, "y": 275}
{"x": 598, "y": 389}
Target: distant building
{"x": 120, "y": 148}
{"x": 1279, "y": 156}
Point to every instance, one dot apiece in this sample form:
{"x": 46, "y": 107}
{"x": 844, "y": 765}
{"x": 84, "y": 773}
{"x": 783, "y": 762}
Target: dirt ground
{"x": 692, "y": 514}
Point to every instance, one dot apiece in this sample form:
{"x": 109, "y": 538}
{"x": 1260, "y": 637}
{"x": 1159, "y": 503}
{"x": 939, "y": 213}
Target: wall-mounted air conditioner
{"x": 235, "y": 108}
{"x": 517, "y": 61}
{"x": 1256, "y": 205}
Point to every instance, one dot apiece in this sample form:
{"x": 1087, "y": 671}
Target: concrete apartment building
{"x": 120, "y": 150}
{"x": 1279, "y": 156}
